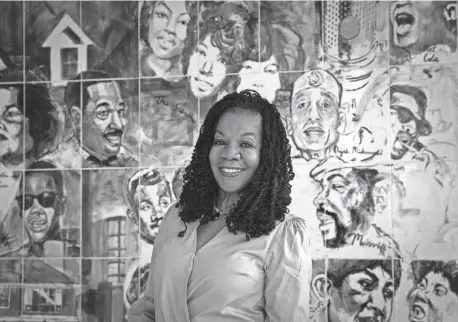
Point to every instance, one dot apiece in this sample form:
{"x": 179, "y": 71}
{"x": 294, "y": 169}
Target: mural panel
{"x": 107, "y": 232}
{"x": 102, "y": 296}
{"x": 428, "y": 291}
{"x": 11, "y": 42}
{"x": 424, "y": 210}
{"x": 113, "y": 29}
{"x": 169, "y": 123}
{"x": 50, "y": 200}
{"x": 215, "y": 55}
{"x": 10, "y": 289}
{"x": 56, "y": 46}
{"x": 150, "y": 193}
{"x": 354, "y": 33}
{"x": 354, "y": 290}
{"x": 51, "y": 290}
{"x": 423, "y": 109}
{"x": 422, "y": 32}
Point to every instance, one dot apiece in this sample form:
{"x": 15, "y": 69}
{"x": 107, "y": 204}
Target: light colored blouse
{"x": 230, "y": 278}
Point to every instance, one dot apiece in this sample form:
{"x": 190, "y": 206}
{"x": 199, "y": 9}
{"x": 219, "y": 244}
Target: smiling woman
{"x": 238, "y": 181}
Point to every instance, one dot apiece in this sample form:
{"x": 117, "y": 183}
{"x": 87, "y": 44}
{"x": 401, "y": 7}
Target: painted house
{"x": 47, "y": 293}
{"x": 68, "y": 46}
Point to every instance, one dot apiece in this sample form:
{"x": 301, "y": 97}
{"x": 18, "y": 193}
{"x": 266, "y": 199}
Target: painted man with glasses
{"x": 42, "y": 198}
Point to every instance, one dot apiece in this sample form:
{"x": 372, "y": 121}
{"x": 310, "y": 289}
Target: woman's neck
{"x": 225, "y": 201}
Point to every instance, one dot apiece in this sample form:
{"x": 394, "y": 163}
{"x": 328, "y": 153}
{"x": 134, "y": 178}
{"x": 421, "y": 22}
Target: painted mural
{"x": 101, "y": 103}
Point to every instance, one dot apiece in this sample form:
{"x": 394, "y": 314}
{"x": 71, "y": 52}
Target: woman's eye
{"x": 218, "y": 142}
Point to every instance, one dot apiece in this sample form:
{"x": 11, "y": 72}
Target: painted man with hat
{"x": 409, "y": 100}
{"x": 315, "y": 114}
{"x": 345, "y": 208}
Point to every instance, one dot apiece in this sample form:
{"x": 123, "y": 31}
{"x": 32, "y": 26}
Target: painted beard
{"x": 340, "y": 231}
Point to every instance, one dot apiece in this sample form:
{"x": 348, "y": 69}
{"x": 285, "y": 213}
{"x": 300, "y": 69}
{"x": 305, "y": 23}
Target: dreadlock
{"x": 266, "y": 198}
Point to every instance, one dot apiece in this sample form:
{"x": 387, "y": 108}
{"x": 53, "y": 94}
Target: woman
{"x": 229, "y": 250}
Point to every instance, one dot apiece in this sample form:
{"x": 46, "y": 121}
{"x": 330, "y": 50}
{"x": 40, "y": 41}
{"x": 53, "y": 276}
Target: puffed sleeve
{"x": 142, "y": 310}
{"x": 288, "y": 269}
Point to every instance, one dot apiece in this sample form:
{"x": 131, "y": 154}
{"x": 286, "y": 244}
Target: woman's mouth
{"x": 230, "y": 172}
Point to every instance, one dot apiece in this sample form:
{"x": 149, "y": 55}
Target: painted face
{"x": 403, "y": 124}
{"x": 338, "y": 203}
{"x": 153, "y": 204}
{"x": 167, "y": 28}
{"x": 235, "y": 154}
{"x": 11, "y": 122}
{"x": 207, "y": 69}
{"x": 262, "y": 77}
{"x": 42, "y": 203}
{"x": 364, "y": 297}
{"x": 433, "y": 300}
{"x": 314, "y": 120}
{"x": 404, "y": 18}
{"x": 104, "y": 119}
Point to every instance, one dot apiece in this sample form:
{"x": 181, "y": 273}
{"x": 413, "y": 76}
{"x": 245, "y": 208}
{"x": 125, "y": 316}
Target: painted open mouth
{"x": 324, "y": 216}
{"x": 38, "y": 224}
{"x": 314, "y": 131}
{"x": 3, "y": 137}
{"x": 405, "y": 22}
{"x": 417, "y": 312}
{"x": 368, "y": 319}
{"x": 114, "y": 139}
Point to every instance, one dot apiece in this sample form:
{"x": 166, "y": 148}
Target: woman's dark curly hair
{"x": 266, "y": 198}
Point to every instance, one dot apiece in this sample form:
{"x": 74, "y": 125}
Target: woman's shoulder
{"x": 292, "y": 226}
{"x": 292, "y": 221}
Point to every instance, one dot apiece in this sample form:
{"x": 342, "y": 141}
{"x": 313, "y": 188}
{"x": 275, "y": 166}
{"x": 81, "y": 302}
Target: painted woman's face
{"x": 364, "y": 296}
{"x": 11, "y": 122}
{"x": 262, "y": 77}
{"x": 207, "y": 69}
{"x": 168, "y": 28}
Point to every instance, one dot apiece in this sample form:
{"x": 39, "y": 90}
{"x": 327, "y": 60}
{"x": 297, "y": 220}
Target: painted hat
{"x": 318, "y": 78}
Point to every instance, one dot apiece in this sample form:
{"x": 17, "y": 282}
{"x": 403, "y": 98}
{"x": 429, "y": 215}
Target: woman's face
{"x": 168, "y": 28}
{"x": 262, "y": 77}
{"x": 235, "y": 154}
{"x": 207, "y": 69}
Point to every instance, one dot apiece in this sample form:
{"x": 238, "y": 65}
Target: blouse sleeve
{"x": 142, "y": 310}
{"x": 288, "y": 270}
